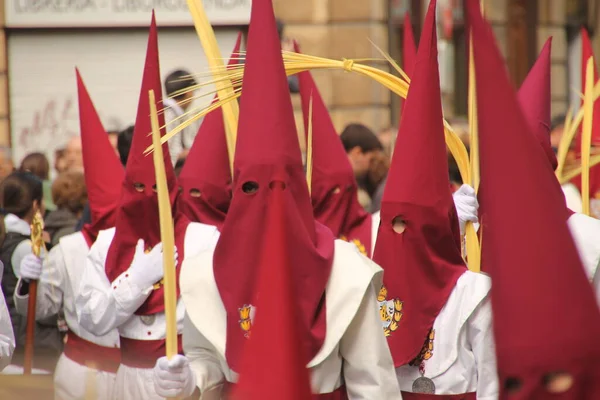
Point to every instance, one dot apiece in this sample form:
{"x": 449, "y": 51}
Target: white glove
{"x": 174, "y": 378}
{"x": 31, "y": 267}
{"x": 147, "y": 268}
{"x": 465, "y": 201}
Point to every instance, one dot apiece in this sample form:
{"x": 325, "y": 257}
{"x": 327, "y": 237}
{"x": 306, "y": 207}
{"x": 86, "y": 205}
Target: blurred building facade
{"x": 342, "y": 29}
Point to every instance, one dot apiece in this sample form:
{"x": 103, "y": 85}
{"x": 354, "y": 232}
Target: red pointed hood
{"x": 268, "y": 156}
{"x": 274, "y": 361}
{"x": 206, "y": 178}
{"x": 535, "y": 98}
{"x": 334, "y": 190}
{"x": 102, "y": 168}
{"x": 409, "y": 48}
{"x": 423, "y": 263}
{"x": 545, "y": 316}
{"x": 138, "y": 210}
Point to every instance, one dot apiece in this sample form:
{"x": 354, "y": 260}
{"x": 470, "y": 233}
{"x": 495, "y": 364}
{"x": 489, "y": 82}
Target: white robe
{"x": 7, "y": 336}
{"x": 572, "y": 197}
{"x": 586, "y": 234}
{"x": 464, "y": 356}
{"x": 57, "y": 289}
{"x": 354, "y": 343}
{"x": 103, "y": 306}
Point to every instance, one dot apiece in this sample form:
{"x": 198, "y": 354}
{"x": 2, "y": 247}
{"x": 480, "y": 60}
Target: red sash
{"x": 91, "y": 355}
{"x": 144, "y": 353}
{"x": 337, "y": 394}
{"x": 419, "y": 396}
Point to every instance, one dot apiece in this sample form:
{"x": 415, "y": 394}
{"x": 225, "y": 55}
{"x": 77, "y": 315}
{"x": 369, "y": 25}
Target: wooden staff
{"x": 37, "y": 244}
{"x": 167, "y": 235}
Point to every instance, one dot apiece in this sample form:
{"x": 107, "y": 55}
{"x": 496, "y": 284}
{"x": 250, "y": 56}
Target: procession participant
{"x": 22, "y": 197}
{"x": 121, "y": 285}
{"x": 334, "y": 191}
{"x": 345, "y": 349}
{"x": 61, "y": 274}
{"x": 534, "y": 99}
{"x": 7, "y": 336}
{"x": 436, "y": 313}
{"x": 546, "y": 322}
{"x": 206, "y": 176}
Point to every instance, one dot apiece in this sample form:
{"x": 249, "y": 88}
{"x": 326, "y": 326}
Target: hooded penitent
{"x": 334, "y": 190}
{"x": 422, "y": 263}
{"x": 206, "y": 178}
{"x": 268, "y": 156}
{"x": 273, "y": 363}
{"x": 546, "y": 321}
{"x": 137, "y": 216}
{"x": 534, "y": 98}
{"x": 102, "y": 168}
{"x": 587, "y": 52}
{"x": 409, "y": 49}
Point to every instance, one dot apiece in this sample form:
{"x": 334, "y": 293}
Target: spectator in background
{"x": 454, "y": 173}
{"x": 60, "y": 162}
{"x": 38, "y": 165}
{"x": 387, "y": 137}
{"x": 124, "y": 143}
{"x": 557, "y": 127}
{"x": 176, "y": 104}
{"x": 73, "y": 155}
{"x": 362, "y": 148}
{"x": 113, "y": 138}
{"x": 70, "y": 196}
{"x": 6, "y": 162}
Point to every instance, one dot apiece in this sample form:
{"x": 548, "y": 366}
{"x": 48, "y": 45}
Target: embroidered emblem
{"x": 357, "y": 243}
{"x": 426, "y": 351}
{"x": 390, "y": 311}
{"x": 246, "y": 317}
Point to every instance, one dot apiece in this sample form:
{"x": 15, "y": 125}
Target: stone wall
{"x": 341, "y": 29}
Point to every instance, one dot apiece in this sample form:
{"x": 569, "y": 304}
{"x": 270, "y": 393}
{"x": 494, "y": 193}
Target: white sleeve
{"x": 203, "y": 358}
{"x": 480, "y": 336}
{"x": 7, "y": 337}
{"x": 22, "y": 249}
{"x": 50, "y": 287}
{"x": 368, "y": 367}
{"x": 102, "y": 305}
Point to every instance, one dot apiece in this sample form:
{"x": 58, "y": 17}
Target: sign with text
{"x": 119, "y": 13}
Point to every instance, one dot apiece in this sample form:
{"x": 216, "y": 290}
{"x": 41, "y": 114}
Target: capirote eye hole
{"x": 513, "y": 385}
{"x": 154, "y": 188}
{"x": 139, "y": 187}
{"x": 250, "y": 187}
{"x": 336, "y": 190}
{"x": 558, "y": 382}
{"x": 277, "y": 185}
{"x": 195, "y": 192}
{"x": 398, "y": 225}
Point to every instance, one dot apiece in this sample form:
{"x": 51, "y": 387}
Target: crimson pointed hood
{"x": 102, "y": 168}
{"x": 274, "y": 360}
{"x": 423, "y": 263}
{"x": 206, "y": 178}
{"x": 334, "y": 190}
{"x": 138, "y": 209}
{"x": 545, "y": 316}
{"x": 267, "y": 157}
{"x": 535, "y": 99}
{"x": 409, "y": 48}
